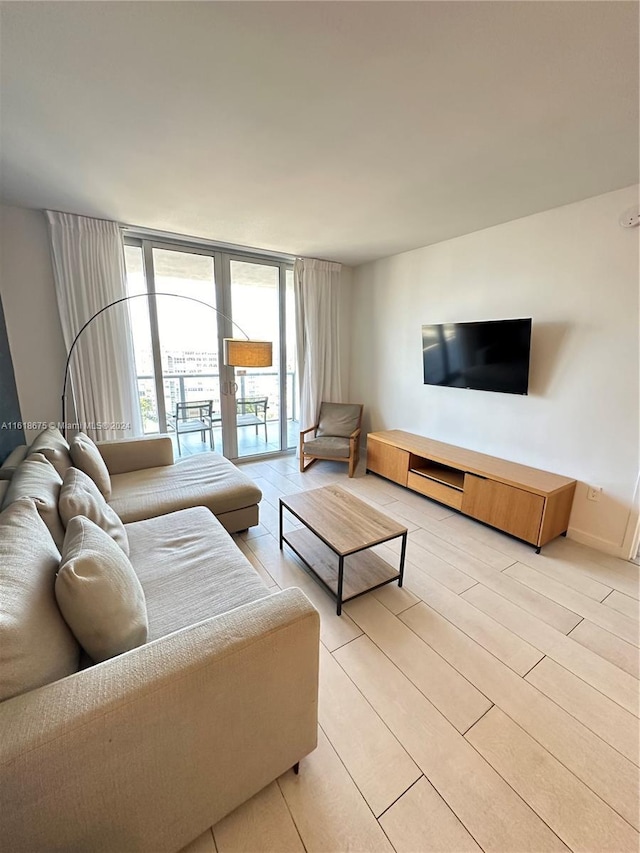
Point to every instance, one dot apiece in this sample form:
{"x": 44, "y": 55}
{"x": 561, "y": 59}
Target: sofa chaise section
{"x": 146, "y": 482}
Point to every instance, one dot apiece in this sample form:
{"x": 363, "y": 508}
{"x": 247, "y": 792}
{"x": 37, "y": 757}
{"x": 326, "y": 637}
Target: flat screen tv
{"x": 492, "y": 355}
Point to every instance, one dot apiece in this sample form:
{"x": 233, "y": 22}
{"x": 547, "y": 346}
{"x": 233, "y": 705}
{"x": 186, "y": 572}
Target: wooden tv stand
{"x": 530, "y": 504}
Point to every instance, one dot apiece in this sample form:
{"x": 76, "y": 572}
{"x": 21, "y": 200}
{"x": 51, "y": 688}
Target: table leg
{"x": 402, "y": 556}
{"x": 280, "y": 529}
{"x": 340, "y": 579}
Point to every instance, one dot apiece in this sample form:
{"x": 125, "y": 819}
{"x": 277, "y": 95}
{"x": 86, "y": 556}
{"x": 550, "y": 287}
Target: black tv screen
{"x": 488, "y": 356}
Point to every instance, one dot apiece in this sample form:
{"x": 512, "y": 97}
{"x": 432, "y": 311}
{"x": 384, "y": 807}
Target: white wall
{"x": 31, "y": 314}
{"x": 575, "y": 271}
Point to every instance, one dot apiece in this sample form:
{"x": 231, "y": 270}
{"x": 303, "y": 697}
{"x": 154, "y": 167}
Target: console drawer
{"x": 438, "y": 491}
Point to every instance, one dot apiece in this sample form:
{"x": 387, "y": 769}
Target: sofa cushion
{"x": 36, "y": 646}
{"x": 98, "y": 592}
{"x": 327, "y": 445}
{"x": 339, "y": 419}
{"x": 190, "y": 569}
{"x": 86, "y": 456}
{"x": 206, "y": 479}
{"x": 36, "y": 478}
{"x": 8, "y": 467}
{"x": 54, "y": 447}
{"x": 79, "y": 495}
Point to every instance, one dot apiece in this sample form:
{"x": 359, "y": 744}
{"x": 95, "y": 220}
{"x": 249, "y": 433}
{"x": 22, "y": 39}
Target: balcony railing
{"x": 187, "y": 387}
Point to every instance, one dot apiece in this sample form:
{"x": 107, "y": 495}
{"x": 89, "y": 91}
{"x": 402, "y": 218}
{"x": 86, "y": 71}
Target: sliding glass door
{"x": 195, "y": 298}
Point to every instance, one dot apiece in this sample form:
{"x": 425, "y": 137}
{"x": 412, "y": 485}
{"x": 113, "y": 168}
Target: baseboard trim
{"x": 598, "y": 544}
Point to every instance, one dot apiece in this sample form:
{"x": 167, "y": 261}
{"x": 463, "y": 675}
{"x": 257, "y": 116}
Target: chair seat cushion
{"x": 333, "y": 447}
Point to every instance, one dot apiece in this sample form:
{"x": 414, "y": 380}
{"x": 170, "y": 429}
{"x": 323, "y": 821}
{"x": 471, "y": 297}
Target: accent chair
{"x": 336, "y": 436}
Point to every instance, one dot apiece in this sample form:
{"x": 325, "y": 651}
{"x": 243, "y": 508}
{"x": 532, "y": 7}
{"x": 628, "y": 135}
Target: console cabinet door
{"x": 505, "y": 507}
{"x": 388, "y": 461}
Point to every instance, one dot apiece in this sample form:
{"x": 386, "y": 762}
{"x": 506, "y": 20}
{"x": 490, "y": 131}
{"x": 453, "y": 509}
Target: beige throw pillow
{"x": 86, "y": 456}
{"x": 99, "y": 593}
{"x": 54, "y": 447}
{"x": 36, "y": 478}
{"x": 79, "y": 495}
{"x": 36, "y": 646}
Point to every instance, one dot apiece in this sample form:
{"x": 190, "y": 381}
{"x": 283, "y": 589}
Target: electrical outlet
{"x": 630, "y": 218}
{"x": 593, "y": 493}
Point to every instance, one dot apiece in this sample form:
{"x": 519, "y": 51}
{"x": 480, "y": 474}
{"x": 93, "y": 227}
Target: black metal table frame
{"x": 341, "y": 557}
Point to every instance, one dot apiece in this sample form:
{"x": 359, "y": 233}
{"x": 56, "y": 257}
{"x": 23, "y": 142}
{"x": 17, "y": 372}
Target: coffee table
{"x": 335, "y": 541}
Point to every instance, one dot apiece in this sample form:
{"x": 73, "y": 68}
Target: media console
{"x": 528, "y": 503}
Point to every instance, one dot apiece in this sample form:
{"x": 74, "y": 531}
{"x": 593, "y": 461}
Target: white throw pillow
{"x": 36, "y": 478}
{"x": 86, "y": 456}
{"x": 79, "y": 495}
{"x": 99, "y": 593}
{"x": 36, "y": 646}
{"x": 54, "y": 447}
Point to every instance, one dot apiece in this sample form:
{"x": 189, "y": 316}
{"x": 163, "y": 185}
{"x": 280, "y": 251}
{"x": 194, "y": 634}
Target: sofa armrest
{"x": 147, "y": 750}
{"x": 134, "y": 454}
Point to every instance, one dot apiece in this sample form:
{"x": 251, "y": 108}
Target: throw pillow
{"x": 99, "y": 593}
{"x": 36, "y": 644}
{"x": 86, "y": 456}
{"x": 10, "y": 464}
{"x": 36, "y": 478}
{"x": 54, "y": 447}
{"x": 79, "y": 495}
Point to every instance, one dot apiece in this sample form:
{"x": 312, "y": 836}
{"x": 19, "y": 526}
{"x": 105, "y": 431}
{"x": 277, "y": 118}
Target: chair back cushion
{"x": 339, "y": 419}
{"x": 37, "y": 646}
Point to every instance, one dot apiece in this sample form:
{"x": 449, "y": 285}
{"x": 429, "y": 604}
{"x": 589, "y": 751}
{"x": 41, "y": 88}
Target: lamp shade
{"x": 239, "y": 353}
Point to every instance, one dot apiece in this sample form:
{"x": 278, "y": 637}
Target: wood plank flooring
{"x": 490, "y": 704}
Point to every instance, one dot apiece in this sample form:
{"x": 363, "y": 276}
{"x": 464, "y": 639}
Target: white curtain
{"x": 89, "y": 273}
{"x": 317, "y": 291}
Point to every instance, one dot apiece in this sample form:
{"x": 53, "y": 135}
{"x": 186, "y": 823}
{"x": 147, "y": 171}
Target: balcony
{"x": 187, "y": 387}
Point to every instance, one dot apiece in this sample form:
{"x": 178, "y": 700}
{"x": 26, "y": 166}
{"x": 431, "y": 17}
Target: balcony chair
{"x": 335, "y": 436}
{"x": 195, "y": 416}
{"x": 252, "y": 411}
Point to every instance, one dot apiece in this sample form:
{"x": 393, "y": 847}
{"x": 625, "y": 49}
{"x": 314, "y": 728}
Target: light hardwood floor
{"x": 492, "y": 703}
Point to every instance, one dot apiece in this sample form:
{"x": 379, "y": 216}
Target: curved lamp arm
{"x": 117, "y": 302}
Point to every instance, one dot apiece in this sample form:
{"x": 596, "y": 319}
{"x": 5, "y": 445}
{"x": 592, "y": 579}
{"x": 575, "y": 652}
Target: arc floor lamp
{"x": 237, "y": 352}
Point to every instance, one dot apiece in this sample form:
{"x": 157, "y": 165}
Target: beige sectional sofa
{"x": 145, "y": 750}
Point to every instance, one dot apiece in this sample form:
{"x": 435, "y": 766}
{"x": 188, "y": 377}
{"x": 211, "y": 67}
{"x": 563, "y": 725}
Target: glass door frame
{"x": 225, "y": 327}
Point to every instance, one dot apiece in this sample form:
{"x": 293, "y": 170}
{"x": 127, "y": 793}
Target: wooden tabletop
{"x": 343, "y": 521}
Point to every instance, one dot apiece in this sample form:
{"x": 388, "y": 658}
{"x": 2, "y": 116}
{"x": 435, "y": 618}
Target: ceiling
{"x": 340, "y": 130}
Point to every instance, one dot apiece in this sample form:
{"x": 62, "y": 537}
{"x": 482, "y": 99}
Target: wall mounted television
{"x": 491, "y": 355}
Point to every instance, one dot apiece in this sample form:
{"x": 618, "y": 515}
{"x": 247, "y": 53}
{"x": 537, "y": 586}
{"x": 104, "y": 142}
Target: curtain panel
{"x": 89, "y": 273}
{"x": 317, "y": 292}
